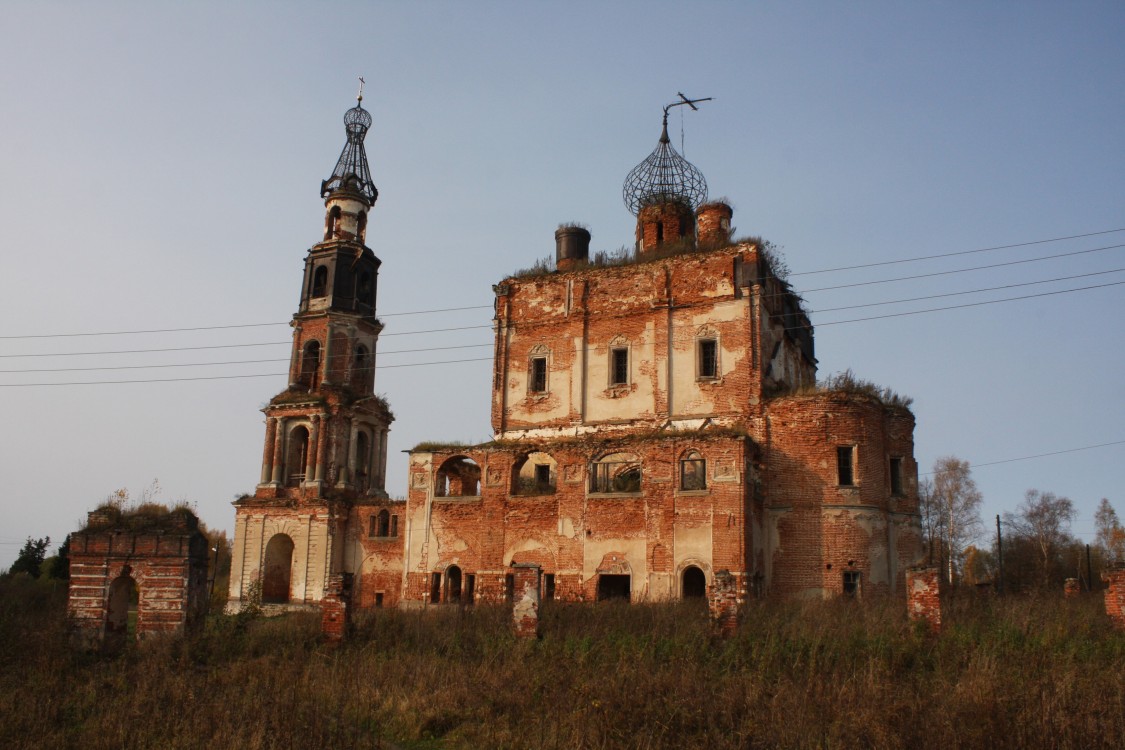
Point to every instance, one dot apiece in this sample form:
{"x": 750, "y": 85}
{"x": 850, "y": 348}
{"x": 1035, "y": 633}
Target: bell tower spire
{"x": 350, "y": 193}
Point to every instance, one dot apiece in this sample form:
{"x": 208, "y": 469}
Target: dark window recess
{"x": 619, "y": 366}
{"x": 384, "y": 524}
{"x": 708, "y": 358}
{"x": 615, "y": 476}
{"x": 378, "y": 598}
{"x": 542, "y": 475}
{"x": 373, "y": 527}
{"x": 509, "y": 586}
{"x": 844, "y": 473}
{"x": 394, "y": 525}
{"x": 435, "y": 588}
{"x": 896, "y": 476}
{"x": 693, "y": 472}
{"x": 538, "y": 374}
{"x": 320, "y": 281}
{"x": 613, "y": 587}
{"x": 470, "y": 586}
{"x": 851, "y": 583}
{"x": 694, "y": 583}
{"x": 549, "y": 586}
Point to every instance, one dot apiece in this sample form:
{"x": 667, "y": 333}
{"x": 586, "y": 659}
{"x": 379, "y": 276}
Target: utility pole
{"x": 1000, "y": 558}
{"x": 1089, "y": 571}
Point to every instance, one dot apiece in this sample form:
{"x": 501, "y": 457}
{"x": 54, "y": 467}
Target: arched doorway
{"x": 296, "y": 456}
{"x": 278, "y": 570}
{"x": 121, "y": 612}
{"x": 693, "y": 583}
{"x": 453, "y": 584}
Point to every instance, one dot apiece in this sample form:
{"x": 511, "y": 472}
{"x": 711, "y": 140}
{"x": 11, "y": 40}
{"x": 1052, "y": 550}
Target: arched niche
{"x": 277, "y": 572}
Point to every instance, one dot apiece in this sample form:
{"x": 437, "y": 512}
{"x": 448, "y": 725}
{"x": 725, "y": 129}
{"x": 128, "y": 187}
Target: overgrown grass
{"x": 1013, "y": 672}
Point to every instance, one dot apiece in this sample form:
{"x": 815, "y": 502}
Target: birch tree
{"x": 956, "y": 502}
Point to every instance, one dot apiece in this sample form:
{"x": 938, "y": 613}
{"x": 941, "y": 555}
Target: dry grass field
{"x": 1012, "y": 672}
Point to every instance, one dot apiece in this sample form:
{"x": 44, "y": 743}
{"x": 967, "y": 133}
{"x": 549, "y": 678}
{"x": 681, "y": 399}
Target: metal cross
{"x": 361, "y": 82}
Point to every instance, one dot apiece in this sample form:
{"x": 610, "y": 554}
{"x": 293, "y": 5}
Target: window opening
{"x": 845, "y": 455}
{"x": 470, "y": 587}
{"x": 538, "y": 374}
{"x": 361, "y": 365}
{"x": 619, "y": 366}
{"x": 394, "y": 525}
{"x": 362, "y": 461}
{"x": 435, "y": 588}
{"x": 333, "y": 219}
{"x": 459, "y": 476}
{"x": 613, "y": 587}
{"x": 278, "y": 568}
{"x": 896, "y": 476}
{"x": 542, "y": 476}
{"x": 549, "y": 586}
{"x": 693, "y": 472}
{"x": 851, "y": 583}
{"x": 694, "y": 585}
{"x": 617, "y": 472}
{"x": 296, "y": 456}
{"x": 384, "y": 523}
{"x": 310, "y": 364}
{"x": 378, "y": 599}
{"x": 373, "y": 526}
{"x": 659, "y": 232}
{"x": 708, "y": 358}
{"x": 320, "y": 281}
{"x": 509, "y": 586}
{"x": 361, "y": 226}
{"x": 453, "y": 584}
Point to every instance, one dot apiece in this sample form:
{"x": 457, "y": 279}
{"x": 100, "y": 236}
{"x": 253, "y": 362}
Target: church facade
{"x": 656, "y": 421}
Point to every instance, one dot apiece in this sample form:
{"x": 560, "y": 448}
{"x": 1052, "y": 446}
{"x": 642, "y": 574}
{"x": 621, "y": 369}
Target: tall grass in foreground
{"x": 1011, "y": 672}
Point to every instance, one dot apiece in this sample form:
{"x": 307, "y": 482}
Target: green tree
{"x": 31, "y": 557}
{"x": 61, "y": 567}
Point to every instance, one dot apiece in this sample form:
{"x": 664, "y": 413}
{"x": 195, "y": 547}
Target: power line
{"x": 223, "y": 377}
{"x": 970, "y": 291}
{"x": 1037, "y": 455}
{"x": 967, "y": 304}
{"x": 960, "y": 270}
{"x": 483, "y": 307}
{"x": 950, "y": 255}
{"x": 232, "y": 362}
{"x": 220, "y": 327}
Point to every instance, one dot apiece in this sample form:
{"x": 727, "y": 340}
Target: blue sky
{"x": 161, "y": 166}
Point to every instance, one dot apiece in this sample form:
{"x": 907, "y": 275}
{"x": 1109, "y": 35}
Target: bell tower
{"x": 325, "y": 449}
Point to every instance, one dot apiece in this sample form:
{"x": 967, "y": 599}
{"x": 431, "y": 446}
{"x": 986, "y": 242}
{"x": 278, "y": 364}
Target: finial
{"x": 665, "y": 176}
{"x": 359, "y": 96}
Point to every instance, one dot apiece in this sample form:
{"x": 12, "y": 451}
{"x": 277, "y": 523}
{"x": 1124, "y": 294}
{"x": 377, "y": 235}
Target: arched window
{"x": 693, "y": 471}
{"x": 453, "y": 584}
{"x": 694, "y": 583}
{"x": 361, "y": 367}
{"x": 278, "y": 569}
{"x": 459, "y": 476}
{"x": 296, "y": 455}
{"x": 363, "y": 289}
{"x": 363, "y": 463}
{"x": 361, "y": 226}
{"x": 384, "y": 527}
{"x": 310, "y": 364}
{"x": 535, "y": 474}
{"x": 320, "y": 281}
{"x": 330, "y": 224}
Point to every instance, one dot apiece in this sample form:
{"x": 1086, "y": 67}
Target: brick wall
{"x": 923, "y": 598}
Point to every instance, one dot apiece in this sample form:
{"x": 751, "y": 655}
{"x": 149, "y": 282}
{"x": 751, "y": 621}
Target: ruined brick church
{"x": 656, "y": 422}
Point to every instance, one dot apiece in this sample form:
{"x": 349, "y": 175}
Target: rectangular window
{"x": 896, "y": 476}
{"x": 373, "y": 526}
{"x": 693, "y": 474}
{"x": 619, "y": 366}
{"x": 538, "y": 375}
{"x": 542, "y": 476}
{"x": 378, "y": 598}
{"x": 845, "y": 455}
{"x": 470, "y": 586}
{"x": 851, "y": 583}
{"x": 549, "y": 586}
{"x": 708, "y": 359}
{"x": 509, "y": 586}
{"x": 394, "y": 525}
